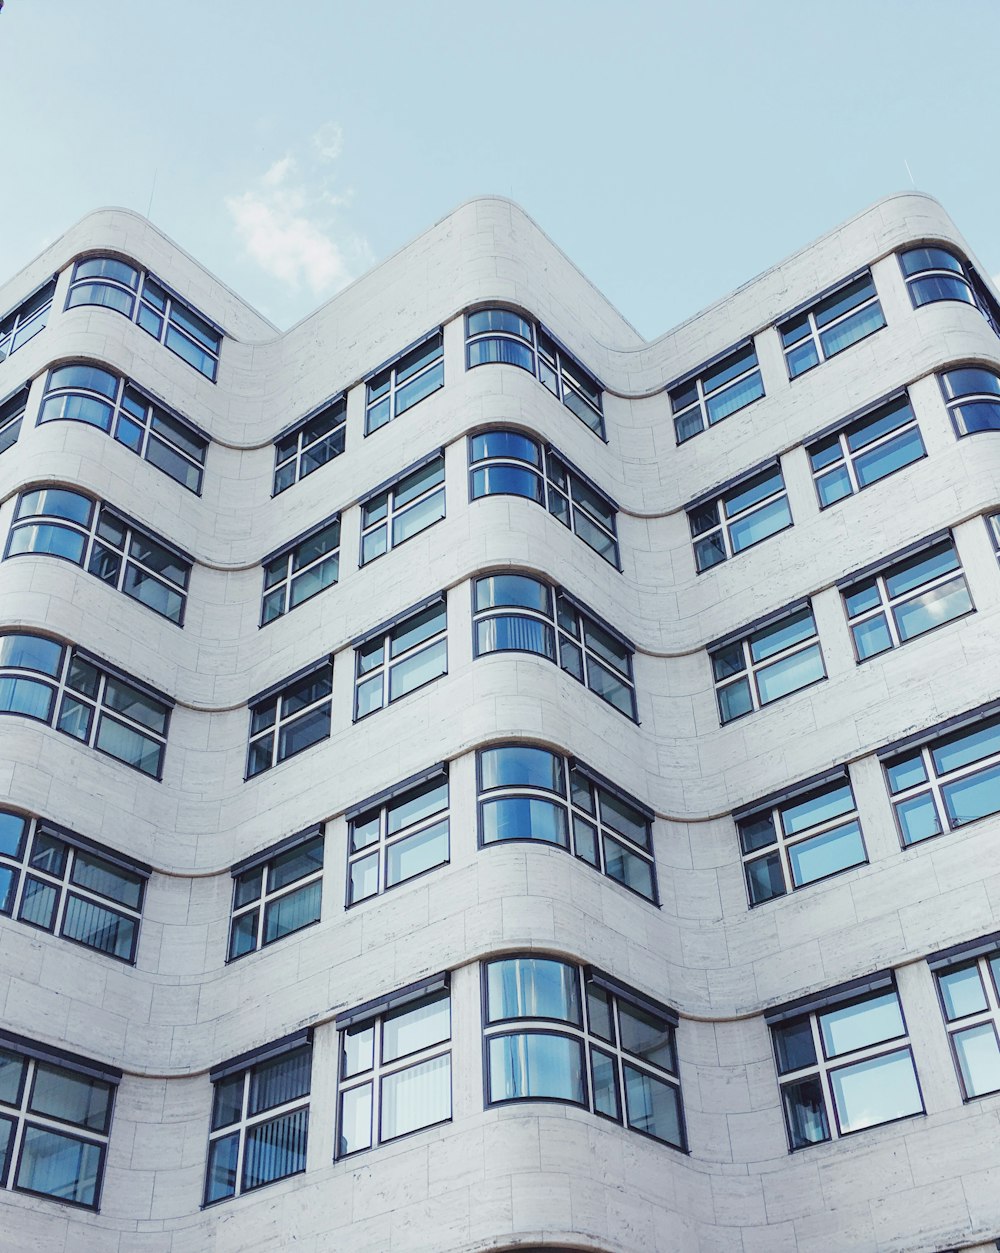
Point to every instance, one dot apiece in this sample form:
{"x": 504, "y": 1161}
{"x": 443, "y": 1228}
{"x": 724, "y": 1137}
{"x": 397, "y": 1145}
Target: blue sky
{"x": 673, "y": 150}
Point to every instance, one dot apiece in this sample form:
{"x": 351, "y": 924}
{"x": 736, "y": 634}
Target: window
{"x": 55, "y": 1118}
{"x": 143, "y": 299}
{"x": 800, "y": 838}
{"x": 972, "y": 395}
{"x": 880, "y": 443}
{"x": 771, "y": 662}
{"x": 396, "y": 659}
{"x": 848, "y": 314}
{"x": 85, "y": 698}
{"x": 967, "y": 983}
{"x": 946, "y": 782}
{"x": 408, "y": 380}
{"x": 529, "y": 793}
{"x": 517, "y": 613}
{"x": 11, "y": 417}
{"x": 507, "y": 463}
{"x": 61, "y": 523}
{"x": 277, "y": 892}
{"x": 993, "y": 526}
{"x": 86, "y": 393}
{"x": 845, "y": 1066}
{"x": 289, "y": 718}
{"x": 906, "y": 599}
{"x": 554, "y": 1032}
{"x": 715, "y": 392}
{"x": 260, "y": 1119}
{"x": 398, "y": 836}
{"x": 309, "y": 444}
{"x": 393, "y": 514}
{"x": 299, "y": 570}
{"x": 58, "y": 881}
{"x": 753, "y": 510}
{"x": 24, "y": 322}
{"x": 934, "y": 274}
{"x": 395, "y": 1066}
{"x": 502, "y": 336}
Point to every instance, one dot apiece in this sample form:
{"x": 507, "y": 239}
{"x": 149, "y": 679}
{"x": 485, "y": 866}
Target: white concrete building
{"x": 477, "y": 780}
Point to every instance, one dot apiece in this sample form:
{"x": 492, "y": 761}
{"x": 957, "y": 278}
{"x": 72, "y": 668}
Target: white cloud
{"x": 288, "y": 221}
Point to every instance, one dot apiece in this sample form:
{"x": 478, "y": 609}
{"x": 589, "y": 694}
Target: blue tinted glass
{"x": 765, "y": 879}
{"x": 968, "y": 746}
{"x": 794, "y": 629}
{"x": 653, "y": 1106}
{"x": 978, "y": 1058}
{"x": 918, "y": 818}
{"x": 753, "y": 490}
{"x": 536, "y": 1065}
{"x": 962, "y": 992}
{"x": 906, "y": 772}
{"x": 876, "y": 1091}
{"x": 724, "y": 371}
{"x": 790, "y": 674}
{"x": 872, "y": 637}
{"x": 533, "y": 987}
{"x": 834, "y": 486}
{"x": 743, "y": 393}
{"x": 805, "y": 1112}
{"x": 853, "y": 328}
{"x": 915, "y": 260}
{"x": 504, "y": 480}
{"x": 12, "y": 829}
{"x": 734, "y": 700}
{"x": 517, "y": 590}
{"x": 56, "y": 541}
{"x": 934, "y": 287}
{"x": 830, "y": 803}
{"x": 826, "y": 854}
{"x": 973, "y": 797}
{"x": 709, "y": 552}
{"x": 521, "y": 765}
{"x": 860, "y": 1024}
{"x": 501, "y": 351}
{"x": 845, "y": 298}
{"x": 802, "y": 358}
{"x": 921, "y": 569}
{"x": 889, "y": 457}
{"x": 969, "y": 381}
{"x": 524, "y": 818}
{"x": 31, "y": 652}
{"x": 510, "y": 633}
{"x": 879, "y": 423}
{"x": 760, "y": 524}
{"x": 861, "y": 597}
{"x": 932, "y": 609}
{"x": 505, "y": 444}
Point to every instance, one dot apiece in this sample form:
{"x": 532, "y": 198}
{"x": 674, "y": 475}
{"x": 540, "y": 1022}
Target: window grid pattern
{"x": 799, "y": 841}
{"x": 394, "y": 1074}
{"x": 752, "y": 511}
{"x": 971, "y": 1006}
{"x": 290, "y": 720}
{"x": 301, "y": 571}
{"x": 404, "y": 383}
{"x": 907, "y": 599}
{"x": 86, "y": 393}
{"x": 54, "y": 683}
{"x": 11, "y": 418}
{"x": 69, "y": 891}
{"x": 876, "y": 445}
{"x": 845, "y": 1069}
{"x": 54, "y": 1127}
{"x": 552, "y": 1034}
{"x": 934, "y": 274}
{"x": 951, "y": 780}
{"x": 847, "y": 315}
{"x": 260, "y": 1125}
{"x": 532, "y": 794}
{"x": 115, "y": 284}
{"x": 409, "y": 654}
{"x": 503, "y": 337}
{"x": 276, "y": 898}
{"x": 24, "y": 322}
{"x": 394, "y": 515}
{"x": 716, "y": 392}
{"x": 507, "y": 463}
{"x": 398, "y": 840}
{"x": 311, "y": 444}
{"x": 69, "y": 525}
{"x": 517, "y": 613}
{"x": 769, "y": 663}
{"x": 972, "y": 395}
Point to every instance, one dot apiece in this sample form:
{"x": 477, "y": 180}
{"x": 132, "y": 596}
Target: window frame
{"x": 392, "y": 511}
{"x": 393, "y": 387}
{"x": 147, "y": 307}
{"x": 31, "y": 314}
{"x": 386, "y": 634}
{"x": 576, "y": 813}
{"x": 257, "y": 907}
{"x": 148, "y": 434}
{"x": 560, "y": 500}
{"x": 983, "y": 400}
{"x": 289, "y": 554}
{"x": 700, "y": 403}
{"x": 329, "y": 436}
{"x": 12, "y": 412}
{"x": 806, "y": 315}
{"x": 847, "y": 460}
{"x": 751, "y": 668}
{"x": 563, "y": 640}
{"x": 277, "y": 695}
{"x": 722, "y": 528}
{"x": 94, "y": 540}
{"x": 916, "y": 280}
{"x": 983, "y": 956}
{"x": 552, "y": 365}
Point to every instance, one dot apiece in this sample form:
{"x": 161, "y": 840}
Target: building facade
{"x": 477, "y": 780}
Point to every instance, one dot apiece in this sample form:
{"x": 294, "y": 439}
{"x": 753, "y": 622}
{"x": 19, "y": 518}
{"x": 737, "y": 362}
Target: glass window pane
{"x": 876, "y": 1091}
{"x": 415, "y": 805}
{"x": 364, "y": 878}
{"x": 628, "y": 868}
{"x": 861, "y": 1024}
{"x": 59, "y": 1165}
{"x": 647, "y": 1036}
{"x": 978, "y": 1059}
{"x": 794, "y": 629}
{"x": 967, "y": 746}
{"x": 280, "y": 1079}
{"x": 536, "y": 1064}
{"x": 872, "y": 637}
{"x": 834, "y": 486}
{"x": 417, "y": 853}
{"x": 513, "y": 633}
{"x": 805, "y": 1112}
{"x": 275, "y": 1149}
{"x": 416, "y": 1027}
{"x": 38, "y": 904}
{"x": 962, "y": 992}
{"x": 794, "y": 1043}
{"x": 605, "y": 1075}
{"x": 355, "y": 1120}
{"x": 430, "y": 663}
{"x": 512, "y": 590}
{"x": 303, "y": 732}
{"x": 820, "y": 807}
{"x": 889, "y": 457}
{"x": 220, "y": 1179}
{"x": 358, "y": 1049}
{"x": 533, "y": 987}
{"x": 765, "y": 878}
{"x": 129, "y": 746}
{"x": 298, "y": 862}
{"x": 972, "y": 797}
{"x": 71, "y": 1097}
{"x": 292, "y": 911}
{"x": 734, "y": 700}
{"x": 521, "y": 766}
{"x": 243, "y": 934}
{"x": 654, "y": 1106}
{"x": 418, "y": 1096}
{"x": 12, "y": 1069}
{"x": 759, "y": 525}
{"x": 524, "y": 818}
{"x": 826, "y": 854}
{"x": 418, "y": 517}
{"x": 918, "y": 818}
{"x": 101, "y": 928}
{"x": 101, "y": 876}
{"x": 790, "y": 674}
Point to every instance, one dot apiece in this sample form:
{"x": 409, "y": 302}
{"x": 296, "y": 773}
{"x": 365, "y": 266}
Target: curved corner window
{"x": 89, "y": 394}
{"x": 24, "y": 322}
{"x": 61, "y": 523}
{"x": 117, "y": 285}
{"x": 972, "y": 394}
{"x": 518, "y": 613}
{"x": 58, "y": 684}
{"x": 532, "y": 794}
{"x": 507, "y": 463}
{"x": 556, "y": 1032}
{"x": 934, "y": 274}
{"x": 502, "y": 337}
